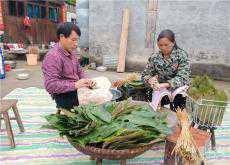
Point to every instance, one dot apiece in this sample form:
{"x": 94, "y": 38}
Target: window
{"x": 12, "y": 8}
{"x": 21, "y": 10}
{"x": 43, "y": 2}
{"x": 35, "y": 1}
{"x": 58, "y": 13}
{"x": 36, "y": 11}
{"x": 30, "y": 10}
{"x": 33, "y": 8}
{"x": 74, "y": 21}
{"x": 43, "y": 12}
{"x": 53, "y": 14}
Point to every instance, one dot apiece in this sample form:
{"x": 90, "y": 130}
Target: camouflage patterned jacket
{"x": 176, "y": 70}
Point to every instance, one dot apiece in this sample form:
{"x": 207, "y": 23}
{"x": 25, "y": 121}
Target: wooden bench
{"x": 5, "y": 106}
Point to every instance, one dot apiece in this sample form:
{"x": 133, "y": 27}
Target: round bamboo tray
{"x": 99, "y": 153}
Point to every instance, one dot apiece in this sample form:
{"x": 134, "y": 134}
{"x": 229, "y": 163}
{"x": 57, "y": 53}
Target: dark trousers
{"x": 179, "y": 101}
{"x": 66, "y": 100}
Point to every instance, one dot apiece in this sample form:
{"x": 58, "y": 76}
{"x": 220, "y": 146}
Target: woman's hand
{"x": 159, "y": 86}
{"x": 153, "y": 80}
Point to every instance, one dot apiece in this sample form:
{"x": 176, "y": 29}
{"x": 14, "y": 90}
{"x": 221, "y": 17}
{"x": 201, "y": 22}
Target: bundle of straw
{"x": 129, "y": 78}
{"x": 186, "y": 147}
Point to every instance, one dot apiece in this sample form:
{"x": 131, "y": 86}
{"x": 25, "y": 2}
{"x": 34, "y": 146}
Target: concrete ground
{"x": 36, "y": 79}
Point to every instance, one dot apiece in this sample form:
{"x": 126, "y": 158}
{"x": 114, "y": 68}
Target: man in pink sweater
{"x": 63, "y": 75}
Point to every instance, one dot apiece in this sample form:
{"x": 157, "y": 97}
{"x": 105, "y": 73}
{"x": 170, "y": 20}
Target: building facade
{"x": 32, "y": 21}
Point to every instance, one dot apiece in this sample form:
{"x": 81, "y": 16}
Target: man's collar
{"x": 63, "y": 50}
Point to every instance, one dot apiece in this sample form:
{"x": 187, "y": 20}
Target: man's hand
{"x": 84, "y": 83}
{"x": 81, "y": 83}
{"x": 91, "y": 83}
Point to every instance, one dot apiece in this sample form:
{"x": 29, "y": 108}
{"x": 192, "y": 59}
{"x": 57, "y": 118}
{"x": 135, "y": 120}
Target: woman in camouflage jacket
{"x": 169, "y": 68}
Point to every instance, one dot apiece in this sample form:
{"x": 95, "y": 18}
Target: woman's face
{"x": 165, "y": 45}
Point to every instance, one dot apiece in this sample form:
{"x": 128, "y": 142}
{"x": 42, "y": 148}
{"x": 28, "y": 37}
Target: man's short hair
{"x": 66, "y": 28}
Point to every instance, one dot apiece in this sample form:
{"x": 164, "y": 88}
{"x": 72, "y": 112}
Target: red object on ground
{"x": 8, "y": 68}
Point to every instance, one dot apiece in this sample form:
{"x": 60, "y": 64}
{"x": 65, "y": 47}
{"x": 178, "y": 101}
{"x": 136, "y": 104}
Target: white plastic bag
{"x": 100, "y": 94}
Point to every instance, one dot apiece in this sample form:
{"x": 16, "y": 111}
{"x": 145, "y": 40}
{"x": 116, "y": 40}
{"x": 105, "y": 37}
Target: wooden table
{"x": 5, "y": 106}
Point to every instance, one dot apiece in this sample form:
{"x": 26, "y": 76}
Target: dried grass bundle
{"x": 129, "y": 78}
{"x": 186, "y": 147}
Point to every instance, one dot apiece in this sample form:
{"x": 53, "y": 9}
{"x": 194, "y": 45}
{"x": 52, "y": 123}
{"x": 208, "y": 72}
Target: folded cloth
{"x": 181, "y": 90}
{"x": 159, "y": 94}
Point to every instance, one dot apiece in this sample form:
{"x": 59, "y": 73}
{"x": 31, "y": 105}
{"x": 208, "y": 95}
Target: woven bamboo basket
{"x": 205, "y": 113}
{"x": 99, "y": 153}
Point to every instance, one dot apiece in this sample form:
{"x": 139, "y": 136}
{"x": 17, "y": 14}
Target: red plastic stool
{"x": 8, "y": 67}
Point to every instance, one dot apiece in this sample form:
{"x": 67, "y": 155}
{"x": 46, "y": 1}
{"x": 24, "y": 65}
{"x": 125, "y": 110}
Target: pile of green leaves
{"x": 202, "y": 87}
{"x": 115, "y": 125}
{"x": 135, "y": 84}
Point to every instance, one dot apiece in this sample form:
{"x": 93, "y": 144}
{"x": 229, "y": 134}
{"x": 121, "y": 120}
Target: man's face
{"x": 70, "y": 43}
{"x": 165, "y": 45}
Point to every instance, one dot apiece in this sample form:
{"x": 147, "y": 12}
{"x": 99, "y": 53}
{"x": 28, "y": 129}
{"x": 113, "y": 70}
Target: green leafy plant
{"x": 115, "y": 125}
{"x": 202, "y": 87}
{"x": 210, "y": 102}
